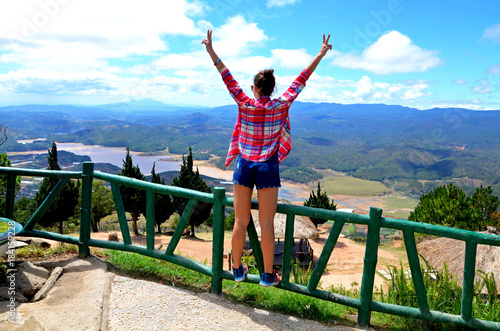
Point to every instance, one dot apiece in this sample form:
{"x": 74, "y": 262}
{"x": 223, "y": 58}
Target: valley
{"x": 354, "y": 150}
{"x": 348, "y": 192}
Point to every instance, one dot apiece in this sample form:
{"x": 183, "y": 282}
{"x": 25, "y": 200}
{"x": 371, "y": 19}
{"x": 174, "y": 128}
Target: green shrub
{"x": 300, "y": 275}
{"x": 444, "y": 294}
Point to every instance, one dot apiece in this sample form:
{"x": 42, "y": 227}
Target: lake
{"x": 116, "y": 155}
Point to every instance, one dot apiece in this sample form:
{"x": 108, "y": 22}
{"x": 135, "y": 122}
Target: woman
{"x": 260, "y": 140}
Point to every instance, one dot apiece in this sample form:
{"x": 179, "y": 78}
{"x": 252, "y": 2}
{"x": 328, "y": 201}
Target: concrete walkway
{"x": 88, "y": 297}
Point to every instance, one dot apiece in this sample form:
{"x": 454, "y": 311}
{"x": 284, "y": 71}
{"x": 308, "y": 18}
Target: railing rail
{"x": 374, "y": 220}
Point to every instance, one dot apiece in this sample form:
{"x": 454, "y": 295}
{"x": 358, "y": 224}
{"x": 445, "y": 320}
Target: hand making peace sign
{"x": 326, "y": 46}
{"x": 208, "y": 42}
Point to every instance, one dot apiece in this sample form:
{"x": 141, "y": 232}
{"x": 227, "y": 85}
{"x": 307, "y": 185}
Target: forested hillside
{"x": 408, "y": 149}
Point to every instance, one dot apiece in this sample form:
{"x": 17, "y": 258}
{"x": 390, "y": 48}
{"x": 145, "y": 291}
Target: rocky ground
{"x": 88, "y": 297}
{"x": 345, "y": 265}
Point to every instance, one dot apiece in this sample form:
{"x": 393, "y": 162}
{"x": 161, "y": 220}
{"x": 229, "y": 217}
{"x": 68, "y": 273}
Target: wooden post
{"x": 86, "y": 209}
{"x": 370, "y": 264}
{"x": 218, "y": 240}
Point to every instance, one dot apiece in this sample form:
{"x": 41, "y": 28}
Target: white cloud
{"x": 68, "y": 55}
{"x": 484, "y": 87}
{"x": 330, "y": 89}
{"x": 312, "y": 95}
{"x": 249, "y": 65}
{"x": 369, "y": 91}
{"x": 318, "y": 81}
{"x": 391, "y": 53}
{"x": 181, "y": 61}
{"x": 237, "y": 37}
{"x": 415, "y": 91}
{"x": 473, "y": 105}
{"x": 50, "y": 82}
{"x": 291, "y": 58}
{"x": 493, "y": 33}
{"x": 65, "y": 35}
{"x": 280, "y": 3}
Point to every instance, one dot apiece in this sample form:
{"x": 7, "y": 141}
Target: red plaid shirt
{"x": 263, "y": 125}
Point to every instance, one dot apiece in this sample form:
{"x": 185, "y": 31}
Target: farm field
{"x": 353, "y": 186}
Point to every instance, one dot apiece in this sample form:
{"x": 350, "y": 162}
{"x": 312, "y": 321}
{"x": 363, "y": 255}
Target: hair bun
{"x": 265, "y": 81}
{"x": 268, "y": 73}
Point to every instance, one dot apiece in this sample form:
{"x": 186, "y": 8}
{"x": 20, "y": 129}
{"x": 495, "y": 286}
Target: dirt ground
{"x": 345, "y": 265}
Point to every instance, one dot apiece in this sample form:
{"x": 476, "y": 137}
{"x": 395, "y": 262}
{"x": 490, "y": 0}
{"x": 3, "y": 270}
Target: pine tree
{"x": 448, "y": 205}
{"x": 134, "y": 200}
{"x": 163, "y": 205}
{"x": 190, "y": 179}
{"x": 64, "y": 205}
{"x": 319, "y": 200}
{"x": 484, "y": 204}
{"x": 3, "y": 134}
{"x": 102, "y": 203}
{"x": 5, "y": 162}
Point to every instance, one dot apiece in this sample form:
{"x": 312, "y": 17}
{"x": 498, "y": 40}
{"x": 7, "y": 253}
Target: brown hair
{"x": 265, "y": 82}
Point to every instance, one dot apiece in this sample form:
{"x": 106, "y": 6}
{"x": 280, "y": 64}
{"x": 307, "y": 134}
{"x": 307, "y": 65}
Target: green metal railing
{"x": 374, "y": 221}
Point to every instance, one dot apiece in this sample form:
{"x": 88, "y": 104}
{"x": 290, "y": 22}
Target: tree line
{"x": 447, "y": 205}
{"x": 65, "y": 207}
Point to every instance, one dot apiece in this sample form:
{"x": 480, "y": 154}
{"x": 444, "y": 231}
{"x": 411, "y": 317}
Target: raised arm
{"x": 232, "y": 85}
{"x": 215, "y": 58}
{"x": 324, "y": 49}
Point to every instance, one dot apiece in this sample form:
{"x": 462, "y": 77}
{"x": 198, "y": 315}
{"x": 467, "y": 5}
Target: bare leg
{"x": 242, "y": 204}
{"x": 268, "y": 200}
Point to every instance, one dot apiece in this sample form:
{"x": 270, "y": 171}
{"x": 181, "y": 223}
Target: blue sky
{"x": 420, "y": 54}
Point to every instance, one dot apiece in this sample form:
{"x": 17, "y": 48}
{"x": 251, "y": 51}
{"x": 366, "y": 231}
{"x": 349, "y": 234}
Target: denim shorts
{"x": 261, "y": 174}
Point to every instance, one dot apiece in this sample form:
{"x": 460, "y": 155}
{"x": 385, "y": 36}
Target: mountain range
{"x": 408, "y": 149}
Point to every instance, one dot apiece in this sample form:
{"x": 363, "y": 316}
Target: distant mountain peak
{"x": 145, "y": 105}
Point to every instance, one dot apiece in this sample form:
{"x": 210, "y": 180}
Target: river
{"x": 116, "y": 155}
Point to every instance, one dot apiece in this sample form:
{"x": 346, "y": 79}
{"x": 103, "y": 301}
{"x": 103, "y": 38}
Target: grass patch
{"x": 444, "y": 294}
{"x": 4, "y": 227}
{"x": 397, "y": 214}
{"x": 288, "y": 303}
{"x": 353, "y": 186}
{"x": 140, "y": 266}
{"x": 399, "y": 203}
{"x": 395, "y": 247}
{"x": 34, "y": 252}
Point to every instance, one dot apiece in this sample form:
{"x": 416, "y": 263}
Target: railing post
{"x": 10, "y": 196}
{"x": 86, "y": 209}
{"x": 370, "y": 264}
{"x": 120, "y": 211}
{"x": 325, "y": 255}
{"x": 183, "y": 222}
{"x": 288, "y": 249}
{"x": 150, "y": 219}
{"x": 218, "y": 240}
{"x": 255, "y": 244}
{"x": 38, "y": 214}
{"x": 468, "y": 282}
{"x": 416, "y": 271}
